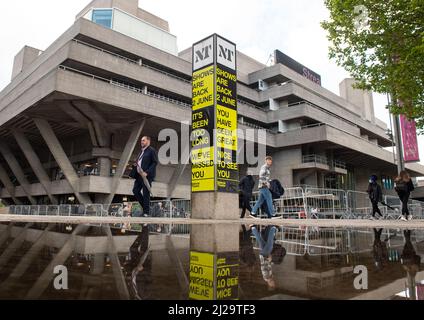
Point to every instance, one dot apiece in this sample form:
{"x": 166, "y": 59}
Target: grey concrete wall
{"x": 284, "y": 163}
{"x": 360, "y": 98}
{"x": 23, "y": 59}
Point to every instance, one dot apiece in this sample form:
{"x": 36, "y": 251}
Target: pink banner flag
{"x": 420, "y": 291}
{"x": 409, "y": 140}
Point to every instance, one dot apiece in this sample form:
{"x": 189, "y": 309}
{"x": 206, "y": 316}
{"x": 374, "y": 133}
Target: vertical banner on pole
{"x": 214, "y": 116}
{"x": 409, "y": 140}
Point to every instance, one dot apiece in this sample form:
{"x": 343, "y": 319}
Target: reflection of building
{"x": 99, "y": 260}
{"x": 320, "y": 263}
{"x": 76, "y": 107}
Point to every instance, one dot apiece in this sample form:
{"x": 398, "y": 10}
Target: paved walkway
{"x": 393, "y": 224}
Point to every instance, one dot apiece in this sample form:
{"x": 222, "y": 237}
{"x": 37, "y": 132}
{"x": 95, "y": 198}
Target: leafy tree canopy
{"x": 381, "y": 44}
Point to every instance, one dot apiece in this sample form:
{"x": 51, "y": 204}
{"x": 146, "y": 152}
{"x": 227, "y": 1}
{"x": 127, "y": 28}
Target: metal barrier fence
{"x": 296, "y": 203}
{"x": 325, "y": 203}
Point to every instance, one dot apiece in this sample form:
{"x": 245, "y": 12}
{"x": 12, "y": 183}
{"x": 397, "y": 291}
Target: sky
{"x": 257, "y": 27}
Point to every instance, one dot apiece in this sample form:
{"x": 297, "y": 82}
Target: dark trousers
{"x": 244, "y": 203}
{"x": 375, "y": 208}
{"x": 143, "y": 199}
{"x": 404, "y": 198}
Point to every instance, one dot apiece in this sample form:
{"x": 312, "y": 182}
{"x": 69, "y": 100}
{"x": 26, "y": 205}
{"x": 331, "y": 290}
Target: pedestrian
{"x": 404, "y": 187}
{"x": 146, "y": 173}
{"x": 270, "y": 252}
{"x": 376, "y": 195}
{"x": 380, "y": 252}
{"x": 246, "y": 186}
{"x": 264, "y": 190}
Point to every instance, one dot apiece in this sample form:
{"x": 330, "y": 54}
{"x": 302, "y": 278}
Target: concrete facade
{"x": 71, "y": 109}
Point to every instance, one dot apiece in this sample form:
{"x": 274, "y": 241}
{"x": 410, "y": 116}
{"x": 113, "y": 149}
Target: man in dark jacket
{"x": 146, "y": 167}
{"x": 246, "y": 186}
{"x": 376, "y": 195}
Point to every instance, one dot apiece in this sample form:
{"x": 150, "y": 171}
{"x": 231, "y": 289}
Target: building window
{"x": 103, "y": 17}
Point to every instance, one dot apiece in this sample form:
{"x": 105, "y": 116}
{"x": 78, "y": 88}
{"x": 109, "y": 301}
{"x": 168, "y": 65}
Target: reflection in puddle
{"x": 148, "y": 262}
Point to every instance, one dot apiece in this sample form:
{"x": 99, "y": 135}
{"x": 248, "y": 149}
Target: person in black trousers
{"x": 246, "y": 186}
{"x": 146, "y": 166}
{"x": 376, "y": 195}
{"x": 404, "y": 187}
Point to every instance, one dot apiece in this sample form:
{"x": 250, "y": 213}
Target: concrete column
{"x": 4, "y": 177}
{"x": 284, "y": 163}
{"x": 121, "y": 284}
{"x": 61, "y": 158}
{"x": 105, "y": 165}
{"x": 98, "y": 264}
{"x": 220, "y": 241}
{"x": 60, "y": 258}
{"x": 125, "y": 158}
{"x": 35, "y": 163}
{"x": 28, "y": 258}
{"x": 17, "y": 171}
{"x": 14, "y": 246}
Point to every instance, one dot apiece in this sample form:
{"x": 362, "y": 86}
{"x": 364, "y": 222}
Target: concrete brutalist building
{"x": 70, "y": 116}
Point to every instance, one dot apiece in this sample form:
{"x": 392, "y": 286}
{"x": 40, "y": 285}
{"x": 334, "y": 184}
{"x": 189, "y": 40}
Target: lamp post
{"x": 397, "y": 138}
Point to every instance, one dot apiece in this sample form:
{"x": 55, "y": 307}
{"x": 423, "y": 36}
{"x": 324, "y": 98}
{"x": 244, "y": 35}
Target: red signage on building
{"x": 409, "y": 140}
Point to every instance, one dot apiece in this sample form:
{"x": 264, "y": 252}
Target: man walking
{"x": 264, "y": 192}
{"x": 146, "y": 168}
{"x": 376, "y": 195}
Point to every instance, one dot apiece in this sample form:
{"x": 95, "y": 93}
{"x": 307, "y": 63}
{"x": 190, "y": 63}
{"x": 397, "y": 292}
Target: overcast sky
{"x": 258, "y": 28}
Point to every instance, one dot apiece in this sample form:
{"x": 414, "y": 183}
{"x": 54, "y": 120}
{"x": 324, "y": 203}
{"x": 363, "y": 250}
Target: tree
{"x": 381, "y": 44}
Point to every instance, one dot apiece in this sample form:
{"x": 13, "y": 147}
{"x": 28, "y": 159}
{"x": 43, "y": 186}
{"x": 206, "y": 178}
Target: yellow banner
{"x": 203, "y": 88}
{"x": 226, "y": 124}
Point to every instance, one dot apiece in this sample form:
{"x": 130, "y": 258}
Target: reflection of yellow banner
{"x": 204, "y": 155}
{"x": 226, "y": 124}
{"x": 203, "y": 88}
{"x": 202, "y": 278}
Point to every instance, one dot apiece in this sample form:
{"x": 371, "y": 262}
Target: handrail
{"x": 139, "y": 62}
{"x": 127, "y": 86}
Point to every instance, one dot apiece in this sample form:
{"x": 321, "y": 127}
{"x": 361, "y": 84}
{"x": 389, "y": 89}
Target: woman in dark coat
{"x": 404, "y": 187}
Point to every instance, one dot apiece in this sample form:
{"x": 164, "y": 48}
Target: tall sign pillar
{"x": 214, "y": 248}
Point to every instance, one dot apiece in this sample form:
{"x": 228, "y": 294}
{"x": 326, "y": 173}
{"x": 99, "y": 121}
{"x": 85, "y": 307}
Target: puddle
{"x": 157, "y": 262}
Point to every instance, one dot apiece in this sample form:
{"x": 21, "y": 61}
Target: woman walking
{"x": 404, "y": 187}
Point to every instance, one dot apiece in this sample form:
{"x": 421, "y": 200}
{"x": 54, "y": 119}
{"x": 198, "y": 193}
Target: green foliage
{"x": 383, "y": 48}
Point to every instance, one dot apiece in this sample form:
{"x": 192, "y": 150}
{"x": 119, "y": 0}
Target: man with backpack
{"x": 265, "y": 195}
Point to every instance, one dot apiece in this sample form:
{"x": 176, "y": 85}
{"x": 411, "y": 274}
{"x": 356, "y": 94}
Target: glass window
{"x": 103, "y": 17}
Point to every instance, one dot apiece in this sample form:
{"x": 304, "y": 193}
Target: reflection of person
{"x": 404, "y": 187}
{"x": 146, "y": 167}
{"x": 246, "y": 186}
{"x": 375, "y": 194}
{"x": 247, "y": 255}
{"x": 264, "y": 189}
{"x": 268, "y": 253}
{"x": 410, "y": 262}
{"x": 379, "y": 247}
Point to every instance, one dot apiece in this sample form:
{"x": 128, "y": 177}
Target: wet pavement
{"x": 161, "y": 262}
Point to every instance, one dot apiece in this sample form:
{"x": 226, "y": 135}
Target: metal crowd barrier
{"x": 296, "y": 203}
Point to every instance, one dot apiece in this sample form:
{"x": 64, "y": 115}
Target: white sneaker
{"x": 372, "y": 218}
{"x": 252, "y": 216}
{"x": 403, "y": 218}
{"x": 409, "y": 218}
